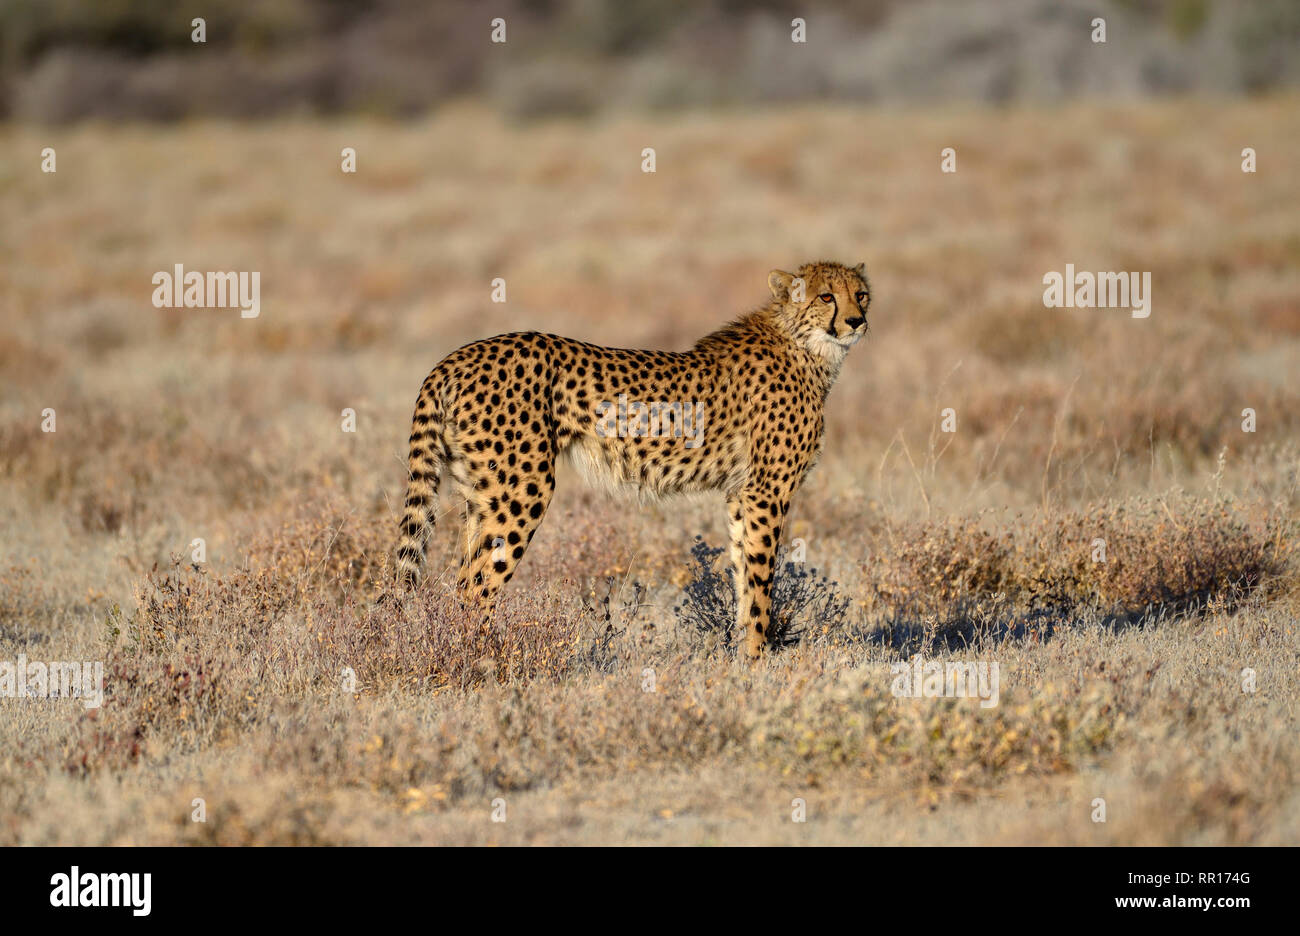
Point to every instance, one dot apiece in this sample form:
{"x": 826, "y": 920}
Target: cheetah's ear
{"x": 779, "y": 282}
{"x": 861, "y": 270}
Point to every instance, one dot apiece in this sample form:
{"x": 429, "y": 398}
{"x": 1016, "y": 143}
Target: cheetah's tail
{"x": 424, "y": 467}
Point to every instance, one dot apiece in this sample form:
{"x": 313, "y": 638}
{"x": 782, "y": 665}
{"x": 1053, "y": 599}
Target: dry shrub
{"x": 331, "y": 549}
{"x": 1156, "y": 561}
{"x": 431, "y": 641}
{"x": 934, "y": 566}
{"x": 928, "y": 745}
{"x": 502, "y": 739}
{"x": 25, "y": 605}
{"x": 804, "y": 602}
{"x": 189, "y": 609}
{"x": 204, "y": 655}
{"x": 51, "y": 466}
{"x": 617, "y": 725}
{"x": 382, "y": 747}
{"x": 180, "y": 706}
{"x": 954, "y": 578}
{"x": 187, "y": 667}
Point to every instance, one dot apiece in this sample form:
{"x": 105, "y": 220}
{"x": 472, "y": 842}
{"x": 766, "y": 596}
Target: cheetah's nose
{"x": 855, "y": 322}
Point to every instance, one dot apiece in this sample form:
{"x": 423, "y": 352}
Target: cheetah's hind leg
{"x": 500, "y": 523}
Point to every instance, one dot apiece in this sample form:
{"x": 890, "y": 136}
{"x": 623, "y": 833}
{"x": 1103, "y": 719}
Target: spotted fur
{"x": 496, "y": 414}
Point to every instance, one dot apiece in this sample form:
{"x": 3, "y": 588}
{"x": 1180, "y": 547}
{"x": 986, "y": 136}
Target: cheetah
{"x": 741, "y": 413}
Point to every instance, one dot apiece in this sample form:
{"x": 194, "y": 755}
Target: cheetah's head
{"x": 823, "y": 306}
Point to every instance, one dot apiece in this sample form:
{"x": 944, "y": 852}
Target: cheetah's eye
{"x": 826, "y": 297}
{"x": 861, "y": 297}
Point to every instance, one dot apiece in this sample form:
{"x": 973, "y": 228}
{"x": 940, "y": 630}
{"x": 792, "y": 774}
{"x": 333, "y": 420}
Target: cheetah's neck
{"x": 819, "y": 352}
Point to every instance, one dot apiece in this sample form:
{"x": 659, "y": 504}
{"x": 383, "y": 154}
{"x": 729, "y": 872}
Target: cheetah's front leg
{"x": 756, "y": 519}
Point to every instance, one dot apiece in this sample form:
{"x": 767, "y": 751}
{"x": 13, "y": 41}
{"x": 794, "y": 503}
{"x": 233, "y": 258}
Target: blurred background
{"x": 522, "y": 160}
{"x": 70, "y": 59}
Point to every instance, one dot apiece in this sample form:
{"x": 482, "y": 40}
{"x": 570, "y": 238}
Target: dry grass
{"x": 284, "y": 683}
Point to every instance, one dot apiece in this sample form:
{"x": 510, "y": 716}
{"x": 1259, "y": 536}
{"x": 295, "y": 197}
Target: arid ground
{"x": 282, "y": 681}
